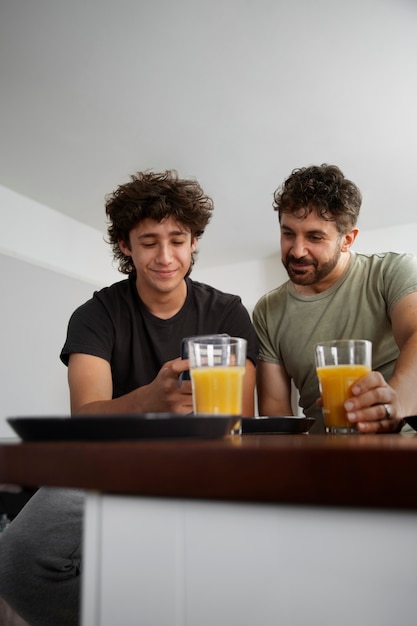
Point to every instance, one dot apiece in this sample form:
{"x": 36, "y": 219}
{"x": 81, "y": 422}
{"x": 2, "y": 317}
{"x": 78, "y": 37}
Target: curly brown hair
{"x": 322, "y": 188}
{"x": 155, "y": 195}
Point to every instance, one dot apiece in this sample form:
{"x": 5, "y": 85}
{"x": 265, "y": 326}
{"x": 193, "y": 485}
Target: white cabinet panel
{"x": 193, "y": 563}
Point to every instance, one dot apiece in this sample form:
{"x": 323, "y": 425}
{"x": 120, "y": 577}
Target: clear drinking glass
{"x": 339, "y": 364}
{"x": 217, "y": 367}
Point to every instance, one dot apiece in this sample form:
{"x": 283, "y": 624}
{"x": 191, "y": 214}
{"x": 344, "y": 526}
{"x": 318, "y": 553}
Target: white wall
{"x": 396, "y": 239}
{"x": 49, "y": 264}
{"x": 249, "y": 280}
{"x": 40, "y": 235}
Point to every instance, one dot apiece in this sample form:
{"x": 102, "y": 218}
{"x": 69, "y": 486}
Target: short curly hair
{"x": 322, "y": 188}
{"x": 154, "y": 195}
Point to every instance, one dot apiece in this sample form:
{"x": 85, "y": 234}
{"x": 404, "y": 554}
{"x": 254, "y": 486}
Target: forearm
{"x": 249, "y": 381}
{"x": 270, "y": 406}
{"x": 137, "y": 401}
{"x": 91, "y": 390}
{"x": 274, "y": 390}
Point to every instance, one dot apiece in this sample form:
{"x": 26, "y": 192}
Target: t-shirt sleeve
{"x": 90, "y": 331}
{"x": 399, "y": 276}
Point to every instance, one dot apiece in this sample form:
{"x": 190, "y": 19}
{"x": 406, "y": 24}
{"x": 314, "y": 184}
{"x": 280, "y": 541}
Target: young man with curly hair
{"x": 123, "y": 355}
{"x": 123, "y": 346}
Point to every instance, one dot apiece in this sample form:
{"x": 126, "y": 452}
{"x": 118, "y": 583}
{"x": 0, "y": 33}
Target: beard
{"x": 309, "y": 272}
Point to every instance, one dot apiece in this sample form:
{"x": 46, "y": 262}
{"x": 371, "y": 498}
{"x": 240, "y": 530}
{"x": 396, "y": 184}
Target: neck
{"x": 163, "y": 304}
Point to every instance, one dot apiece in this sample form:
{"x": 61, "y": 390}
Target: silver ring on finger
{"x": 388, "y": 411}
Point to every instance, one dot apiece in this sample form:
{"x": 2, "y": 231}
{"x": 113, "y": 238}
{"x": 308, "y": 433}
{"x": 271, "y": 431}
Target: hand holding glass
{"x": 217, "y": 367}
{"x": 339, "y": 364}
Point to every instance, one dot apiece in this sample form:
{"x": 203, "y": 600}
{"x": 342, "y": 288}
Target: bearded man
{"x": 335, "y": 293}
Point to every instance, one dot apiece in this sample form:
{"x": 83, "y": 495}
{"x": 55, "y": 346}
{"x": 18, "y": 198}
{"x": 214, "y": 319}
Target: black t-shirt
{"x": 116, "y": 326}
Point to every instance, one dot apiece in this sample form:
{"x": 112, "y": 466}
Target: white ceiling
{"x": 236, "y": 93}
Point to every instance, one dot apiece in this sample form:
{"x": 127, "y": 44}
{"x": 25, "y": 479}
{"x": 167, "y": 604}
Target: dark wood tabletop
{"x": 349, "y": 470}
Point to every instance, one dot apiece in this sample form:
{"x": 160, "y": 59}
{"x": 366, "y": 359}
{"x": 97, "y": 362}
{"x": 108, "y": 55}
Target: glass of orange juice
{"x": 217, "y": 367}
{"x": 339, "y": 364}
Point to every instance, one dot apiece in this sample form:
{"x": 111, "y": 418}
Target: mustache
{"x": 301, "y": 262}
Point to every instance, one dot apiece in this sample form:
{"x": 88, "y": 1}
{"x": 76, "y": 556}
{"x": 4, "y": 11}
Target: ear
{"x": 124, "y": 247}
{"x": 193, "y": 244}
{"x": 348, "y": 239}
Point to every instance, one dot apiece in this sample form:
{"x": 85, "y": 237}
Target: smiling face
{"x": 161, "y": 253}
{"x": 313, "y": 251}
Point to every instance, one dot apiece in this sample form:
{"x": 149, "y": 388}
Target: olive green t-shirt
{"x": 358, "y": 306}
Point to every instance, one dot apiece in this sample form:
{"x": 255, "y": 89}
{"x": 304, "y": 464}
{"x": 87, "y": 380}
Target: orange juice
{"x": 335, "y": 385}
{"x": 217, "y": 390}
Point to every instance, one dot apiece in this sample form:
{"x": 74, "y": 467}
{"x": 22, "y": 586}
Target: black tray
{"x": 283, "y": 425}
{"x": 412, "y": 421}
{"x": 121, "y": 427}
